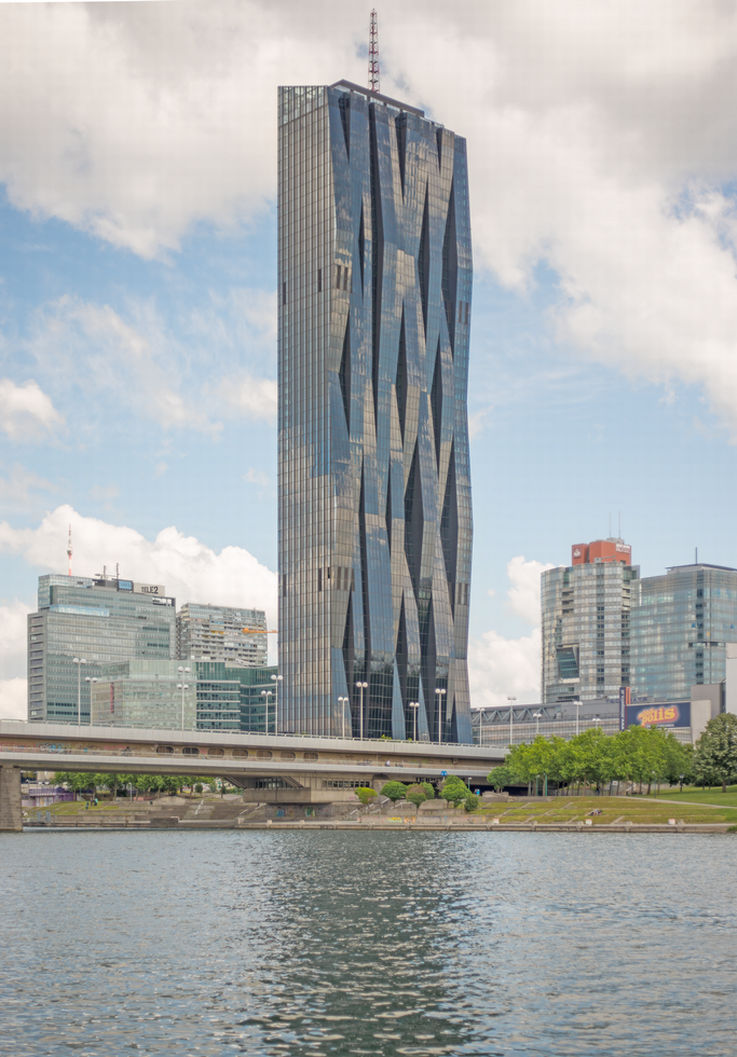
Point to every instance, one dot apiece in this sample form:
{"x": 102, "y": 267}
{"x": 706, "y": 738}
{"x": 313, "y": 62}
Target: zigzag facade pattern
{"x": 374, "y": 484}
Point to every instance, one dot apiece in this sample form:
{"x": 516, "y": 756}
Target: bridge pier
{"x": 11, "y": 816}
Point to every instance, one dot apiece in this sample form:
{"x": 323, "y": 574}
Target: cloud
{"x": 136, "y": 361}
{"x": 524, "y": 591}
{"x": 13, "y": 696}
{"x": 27, "y": 413}
{"x": 172, "y": 121}
{"x": 189, "y": 570}
{"x": 254, "y": 397}
{"x": 501, "y": 667}
{"x": 600, "y": 144}
{"x": 18, "y": 490}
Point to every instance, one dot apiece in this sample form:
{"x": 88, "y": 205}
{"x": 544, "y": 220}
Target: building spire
{"x": 373, "y": 54}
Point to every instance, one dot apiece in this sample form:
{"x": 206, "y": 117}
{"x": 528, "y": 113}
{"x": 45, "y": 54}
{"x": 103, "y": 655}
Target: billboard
{"x": 672, "y": 714}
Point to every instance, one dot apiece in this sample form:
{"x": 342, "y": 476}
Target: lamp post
{"x": 361, "y": 687}
{"x": 511, "y": 718}
{"x": 276, "y": 679}
{"x": 578, "y": 713}
{"x": 596, "y": 721}
{"x": 414, "y": 705}
{"x": 265, "y": 694}
{"x": 537, "y": 716}
{"x": 440, "y": 693}
{"x": 343, "y": 701}
{"x": 79, "y": 661}
{"x": 90, "y": 679}
{"x": 183, "y": 672}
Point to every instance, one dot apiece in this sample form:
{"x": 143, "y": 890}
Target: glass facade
{"x": 375, "y": 522}
{"x": 680, "y": 631}
{"x": 99, "y": 621}
{"x": 586, "y": 632}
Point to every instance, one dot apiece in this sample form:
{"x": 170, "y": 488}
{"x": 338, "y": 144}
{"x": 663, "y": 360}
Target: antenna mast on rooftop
{"x": 373, "y": 54}
{"x": 69, "y": 549}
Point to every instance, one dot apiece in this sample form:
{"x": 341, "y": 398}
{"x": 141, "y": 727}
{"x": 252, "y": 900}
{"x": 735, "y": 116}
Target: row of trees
{"x": 640, "y": 755}
{"x": 87, "y": 782}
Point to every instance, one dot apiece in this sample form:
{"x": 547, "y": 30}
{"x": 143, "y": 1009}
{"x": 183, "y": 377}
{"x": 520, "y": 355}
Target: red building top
{"x": 611, "y": 550}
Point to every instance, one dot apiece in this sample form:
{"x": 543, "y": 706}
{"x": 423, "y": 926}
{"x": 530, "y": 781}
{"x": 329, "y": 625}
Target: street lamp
{"x": 265, "y": 694}
{"x": 537, "y": 716}
{"x": 79, "y": 661}
{"x": 511, "y": 718}
{"x": 276, "y": 679}
{"x": 183, "y": 686}
{"x": 343, "y": 701}
{"x": 596, "y": 721}
{"x": 440, "y": 693}
{"x": 361, "y": 687}
{"x": 90, "y": 679}
{"x": 414, "y": 705}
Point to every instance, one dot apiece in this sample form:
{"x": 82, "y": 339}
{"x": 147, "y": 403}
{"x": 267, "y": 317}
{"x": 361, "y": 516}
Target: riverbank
{"x": 530, "y": 814}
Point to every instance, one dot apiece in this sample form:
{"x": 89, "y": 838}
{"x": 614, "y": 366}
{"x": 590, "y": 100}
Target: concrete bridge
{"x": 273, "y": 768}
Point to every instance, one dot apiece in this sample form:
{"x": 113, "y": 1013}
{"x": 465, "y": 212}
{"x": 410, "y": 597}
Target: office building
{"x": 83, "y": 623}
{"x": 235, "y": 637}
{"x": 586, "y": 623}
{"x": 680, "y": 631}
{"x": 192, "y": 695}
{"x": 374, "y": 488}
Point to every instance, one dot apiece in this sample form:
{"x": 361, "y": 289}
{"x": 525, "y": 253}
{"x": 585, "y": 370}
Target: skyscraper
{"x": 680, "y": 630}
{"x": 222, "y": 633}
{"x": 83, "y": 623}
{"x": 374, "y": 486}
{"x": 586, "y": 610}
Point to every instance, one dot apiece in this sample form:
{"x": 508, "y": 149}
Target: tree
{"x": 715, "y": 756}
{"x": 365, "y": 794}
{"x": 454, "y": 790}
{"x": 429, "y": 790}
{"x": 499, "y": 777}
{"x": 394, "y": 790}
{"x": 416, "y": 795}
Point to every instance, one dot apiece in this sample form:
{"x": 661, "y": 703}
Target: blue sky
{"x": 137, "y": 265}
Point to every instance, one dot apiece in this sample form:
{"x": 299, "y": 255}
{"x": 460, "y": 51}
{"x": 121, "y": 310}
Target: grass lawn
{"x": 613, "y": 808}
{"x": 702, "y": 796}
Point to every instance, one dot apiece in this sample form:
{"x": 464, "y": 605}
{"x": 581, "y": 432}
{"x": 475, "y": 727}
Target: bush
{"x": 365, "y": 794}
{"x": 454, "y": 790}
{"x": 416, "y": 795}
{"x": 394, "y": 790}
{"x": 429, "y": 790}
{"x": 471, "y": 802}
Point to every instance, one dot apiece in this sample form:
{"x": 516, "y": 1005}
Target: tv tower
{"x": 373, "y": 54}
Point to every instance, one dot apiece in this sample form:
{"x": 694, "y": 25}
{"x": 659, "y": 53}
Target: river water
{"x": 334, "y": 944}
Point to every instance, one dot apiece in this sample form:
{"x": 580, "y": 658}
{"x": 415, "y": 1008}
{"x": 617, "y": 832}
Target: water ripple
{"x": 339, "y": 944}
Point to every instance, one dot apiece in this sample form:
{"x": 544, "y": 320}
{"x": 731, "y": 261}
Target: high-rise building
{"x": 374, "y": 487}
{"x": 83, "y": 623}
{"x": 586, "y": 611}
{"x": 680, "y": 631}
{"x": 236, "y": 637}
{"x": 199, "y": 695}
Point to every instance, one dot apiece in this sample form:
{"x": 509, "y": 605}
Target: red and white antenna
{"x": 69, "y": 549}
{"x": 373, "y": 58}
